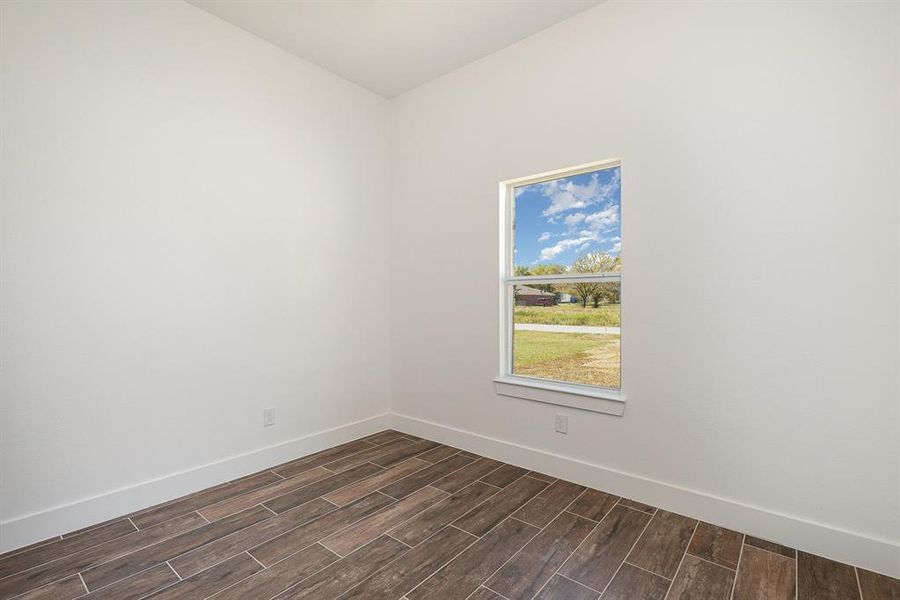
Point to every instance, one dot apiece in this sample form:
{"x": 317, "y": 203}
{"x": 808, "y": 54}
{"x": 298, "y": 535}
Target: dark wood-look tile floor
{"x": 393, "y": 516}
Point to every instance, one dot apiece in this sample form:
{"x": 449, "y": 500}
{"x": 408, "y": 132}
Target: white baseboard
{"x": 27, "y": 529}
{"x": 879, "y": 555}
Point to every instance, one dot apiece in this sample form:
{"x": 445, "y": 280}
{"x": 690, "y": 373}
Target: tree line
{"x": 585, "y": 291}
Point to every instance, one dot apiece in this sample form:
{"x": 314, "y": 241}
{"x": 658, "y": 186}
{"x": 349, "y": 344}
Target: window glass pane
{"x": 568, "y": 332}
{"x": 557, "y": 222}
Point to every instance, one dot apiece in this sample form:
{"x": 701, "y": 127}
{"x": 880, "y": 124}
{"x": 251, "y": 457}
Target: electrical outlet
{"x": 268, "y": 417}
{"x": 562, "y": 424}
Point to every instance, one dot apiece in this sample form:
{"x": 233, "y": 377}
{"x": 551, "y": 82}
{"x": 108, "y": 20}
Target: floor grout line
{"x": 83, "y": 583}
{"x": 681, "y": 562}
{"x": 577, "y": 582}
{"x": 254, "y": 558}
{"x": 712, "y": 562}
{"x": 491, "y": 589}
{"x": 738, "y": 568}
{"x": 630, "y": 550}
{"x": 571, "y": 554}
{"x": 454, "y": 557}
{"x": 173, "y": 570}
{"x": 631, "y": 564}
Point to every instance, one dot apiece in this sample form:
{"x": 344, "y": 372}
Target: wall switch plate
{"x": 562, "y": 424}
{"x": 268, "y": 417}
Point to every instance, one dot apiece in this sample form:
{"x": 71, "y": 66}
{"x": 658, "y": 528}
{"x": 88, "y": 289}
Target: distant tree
{"x": 519, "y": 271}
{"x": 596, "y": 262}
{"x": 547, "y": 270}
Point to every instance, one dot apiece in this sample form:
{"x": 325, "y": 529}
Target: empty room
{"x": 450, "y": 299}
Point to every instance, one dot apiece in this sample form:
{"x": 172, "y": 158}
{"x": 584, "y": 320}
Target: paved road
{"x": 567, "y": 328}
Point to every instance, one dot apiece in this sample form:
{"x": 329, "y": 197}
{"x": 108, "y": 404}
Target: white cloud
{"x": 603, "y": 220}
{"x": 561, "y": 246}
{"x": 566, "y": 195}
{"x": 574, "y": 218}
{"x": 545, "y": 236}
{"x": 617, "y": 247}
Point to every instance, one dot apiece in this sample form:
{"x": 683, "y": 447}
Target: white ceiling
{"x": 391, "y": 46}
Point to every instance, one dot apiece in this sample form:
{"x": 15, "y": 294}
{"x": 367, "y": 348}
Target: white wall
{"x": 760, "y": 211}
{"x": 189, "y": 216}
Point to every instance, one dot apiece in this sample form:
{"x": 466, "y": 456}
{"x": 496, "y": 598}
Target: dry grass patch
{"x": 571, "y": 357}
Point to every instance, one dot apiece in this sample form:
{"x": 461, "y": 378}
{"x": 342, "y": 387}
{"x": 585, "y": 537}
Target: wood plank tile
{"x": 485, "y": 594}
{"x": 438, "y": 454}
{"x": 328, "y": 453}
{"x": 296, "y": 539}
{"x": 392, "y": 458}
{"x": 282, "y": 575}
{"x": 125, "y": 566}
{"x": 318, "y": 459}
{"x": 464, "y": 574}
{"x": 341, "y": 576}
{"x": 225, "y": 547}
{"x": 441, "y": 561}
{"x": 419, "y": 479}
{"x": 137, "y": 586}
{"x": 235, "y": 505}
{"x": 210, "y": 581}
{"x": 456, "y": 481}
{"x": 57, "y": 549}
{"x": 765, "y": 576}
{"x": 383, "y": 437}
{"x": 631, "y": 583}
{"x": 544, "y": 507}
{"x": 64, "y": 589}
{"x": 415, "y": 566}
{"x": 527, "y": 572}
{"x": 310, "y": 492}
{"x": 560, "y": 588}
{"x": 542, "y": 476}
{"x": 770, "y": 546}
{"x": 434, "y": 518}
{"x": 635, "y": 505}
{"x": 366, "y": 486}
{"x": 80, "y": 561}
{"x": 593, "y": 504}
{"x": 55, "y": 538}
{"x": 660, "y": 548}
{"x": 698, "y": 579}
{"x": 504, "y": 476}
{"x": 824, "y": 579}
{"x": 471, "y": 455}
{"x": 598, "y": 558}
{"x": 717, "y": 544}
{"x": 366, "y": 455}
{"x": 346, "y": 541}
{"x": 106, "y": 523}
{"x": 158, "y": 514}
{"x": 482, "y": 518}
{"x": 878, "y": 587}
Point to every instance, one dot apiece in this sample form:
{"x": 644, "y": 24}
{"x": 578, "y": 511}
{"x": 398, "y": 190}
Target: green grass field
{"x": 572, "y": 357}
{"x": 605, "y": 315}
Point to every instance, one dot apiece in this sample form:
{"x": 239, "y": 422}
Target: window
{"x": 560, "y": 287}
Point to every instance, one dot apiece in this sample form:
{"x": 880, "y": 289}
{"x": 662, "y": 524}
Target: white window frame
{"x": 585, "y": 397}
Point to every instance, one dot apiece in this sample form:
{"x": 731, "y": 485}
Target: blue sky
{"x": 558, "y": 221}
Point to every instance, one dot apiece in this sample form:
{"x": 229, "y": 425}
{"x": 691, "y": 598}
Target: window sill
{"x": 608, "y": 402}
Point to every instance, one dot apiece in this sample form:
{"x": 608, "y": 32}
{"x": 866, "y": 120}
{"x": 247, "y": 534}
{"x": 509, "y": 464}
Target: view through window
{"x": 563, "y": 278}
